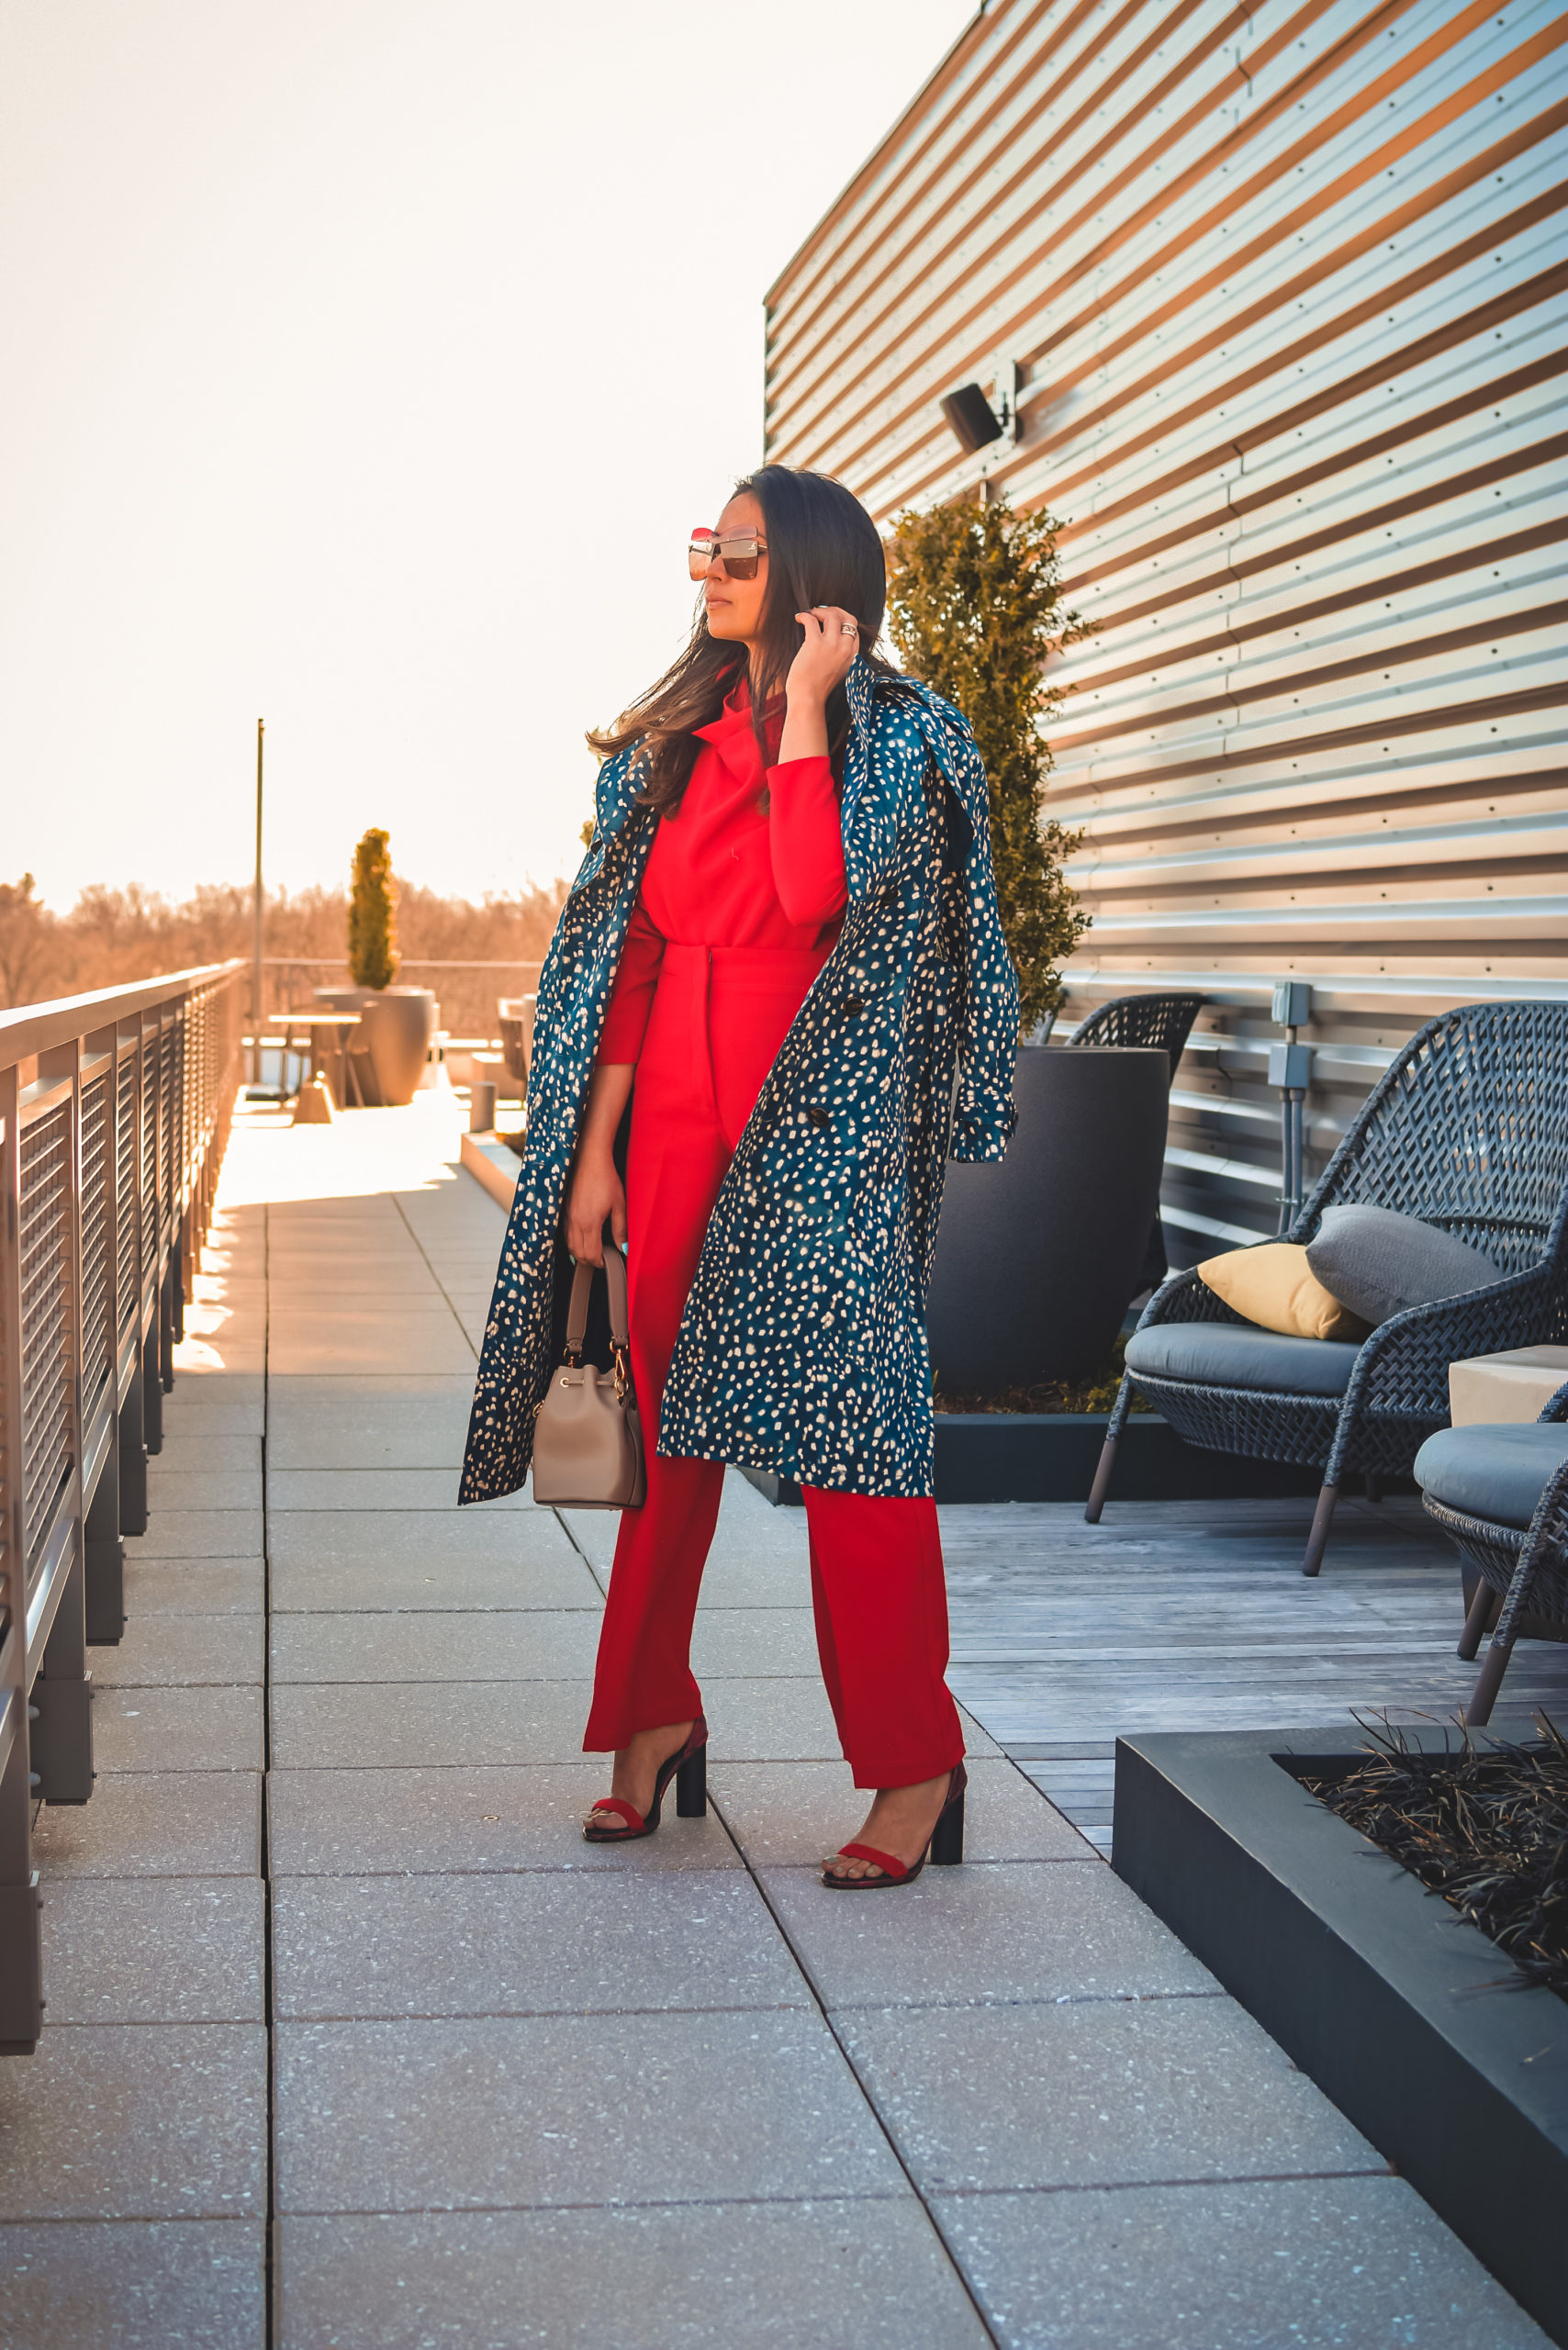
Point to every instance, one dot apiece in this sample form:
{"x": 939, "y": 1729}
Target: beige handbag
{"x": 588, "y": 1440}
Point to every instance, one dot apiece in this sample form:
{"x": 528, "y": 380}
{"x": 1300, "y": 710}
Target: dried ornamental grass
{"x": 1486, "y": 1829}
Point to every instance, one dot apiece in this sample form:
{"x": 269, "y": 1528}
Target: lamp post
{"x": 256, "y": 963}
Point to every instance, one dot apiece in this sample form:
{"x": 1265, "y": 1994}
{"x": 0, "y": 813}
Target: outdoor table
{"x": 322, "y": 1048}
{"x": 1514, "y": 1387}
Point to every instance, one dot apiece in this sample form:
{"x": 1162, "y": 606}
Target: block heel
{"x": 945, "y": 1851}
{"x": 688, "y": 1769}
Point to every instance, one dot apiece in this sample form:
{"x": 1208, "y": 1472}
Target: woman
{"x": 782, "y": 950}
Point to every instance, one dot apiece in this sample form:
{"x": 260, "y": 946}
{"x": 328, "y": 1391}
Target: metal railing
{"x": 113, "y": 1112}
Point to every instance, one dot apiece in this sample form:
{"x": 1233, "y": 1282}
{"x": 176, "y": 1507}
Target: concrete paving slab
{"x": 198, "y": 1534}
{"x": 360, "y": 1726}
{"x": 1319, "y": 2263}
{"x": 531, "y": 1644}
{"x": 866, "y": 2273}
{"x": 569, "y": 2110}
{"x": 183, "y": 1487}
{"x": 1095, "y": 2093}
{"x": 178, "y": 1730}
{"x": 155, "y": 1950}
{"x": 377, "y": 1490}
{"x": 431, "y": 1341}
{"x": 767, "y": 1642}
{"x": 439, "y": 1819}
{"x": 133, "y": 2284}
{"x": 1029, "y": 1930}
{"x": 401, "y": 1420}
{"x": 189, "y": 1448}
{"x": 754, "y": 1720}
{"x": 793, "y": 1814}
{"x": 448, "y": 1537}
{"x": 594, "y": 1533}
{"x": 181, "y": 1650}
{"x": 126, "y": 2122}
{"x": 200, "y": 1586}
{"x": 144, "y": 1823}
{"x": 445, "y": 1585}
{"x": 215, "y": 1403}
{"x": 548, "y": 1942}
{"x": 761, "y": 1578}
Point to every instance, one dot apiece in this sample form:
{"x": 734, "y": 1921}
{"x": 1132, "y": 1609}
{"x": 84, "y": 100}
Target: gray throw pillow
{"x": 1379, "y": 1263}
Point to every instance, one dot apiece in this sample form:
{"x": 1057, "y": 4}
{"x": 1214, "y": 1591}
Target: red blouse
{"x": 723, "y": 871}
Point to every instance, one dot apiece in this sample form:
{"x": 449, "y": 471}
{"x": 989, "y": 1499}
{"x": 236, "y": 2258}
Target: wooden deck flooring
{"x": 1196, "y": 1615}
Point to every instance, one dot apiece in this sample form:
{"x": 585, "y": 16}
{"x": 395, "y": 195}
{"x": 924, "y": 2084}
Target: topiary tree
{"x": 373, "y": 913}
{"x": 974, "y": 607}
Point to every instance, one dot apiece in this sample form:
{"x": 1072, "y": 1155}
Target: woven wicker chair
{"x": 1164, "y": 1020}
{"x": 1522, "y": 1569}
{"x": 1142, "y": 1020}
{"x": 1468, "y": 1130}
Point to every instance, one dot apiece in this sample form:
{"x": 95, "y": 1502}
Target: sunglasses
{"x": 738, "y": 551}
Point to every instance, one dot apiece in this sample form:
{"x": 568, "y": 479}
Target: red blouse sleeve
{"x": 806, "y": 840}
{"x": 632, "y": 998}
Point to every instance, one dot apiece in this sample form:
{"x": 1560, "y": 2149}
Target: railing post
{"x": 63, "y": 1699}
{"x": 131, "y": 1446}
{"x": 103, "y": 1550}
{"x": 21, "y": 1965}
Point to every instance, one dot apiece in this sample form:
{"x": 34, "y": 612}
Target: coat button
{"x": 853, "y": 1003}
{"x": 817, "y": 1115}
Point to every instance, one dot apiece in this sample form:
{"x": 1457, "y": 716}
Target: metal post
{"x": 132, "y": 1449}
{"x": 104, "y": 1551}
{"x": 1290, "y": 1068}
{"x": 256, "y": 1005}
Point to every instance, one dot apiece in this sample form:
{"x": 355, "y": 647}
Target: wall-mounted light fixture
{"x": 973, "y": 420}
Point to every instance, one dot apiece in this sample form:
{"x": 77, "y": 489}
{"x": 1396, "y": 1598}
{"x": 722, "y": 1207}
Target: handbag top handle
{"x": 576, "y": 1310}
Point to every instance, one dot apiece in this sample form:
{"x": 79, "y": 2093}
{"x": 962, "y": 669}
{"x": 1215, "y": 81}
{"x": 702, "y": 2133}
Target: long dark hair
{"x": 822, "y": 548}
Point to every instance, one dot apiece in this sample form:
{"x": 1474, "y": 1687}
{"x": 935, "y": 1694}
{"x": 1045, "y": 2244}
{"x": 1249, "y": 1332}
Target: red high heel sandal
{"x": 689, "y": 1769}
{"x": 945, "y": 1851}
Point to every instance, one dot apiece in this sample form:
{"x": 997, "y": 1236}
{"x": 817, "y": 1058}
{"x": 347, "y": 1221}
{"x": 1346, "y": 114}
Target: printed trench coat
{"x": 802, "y": 1348}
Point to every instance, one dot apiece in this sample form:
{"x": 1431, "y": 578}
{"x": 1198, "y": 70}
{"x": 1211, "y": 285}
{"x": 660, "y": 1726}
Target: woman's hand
{"x": 597, "y": 1192}
{"x": 823, "y": 661}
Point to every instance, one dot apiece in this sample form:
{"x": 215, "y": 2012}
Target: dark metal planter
{"x": 1039, "y": 1255}
{"x": 1400, "y": 2011}
{"x": 1051, "y": 1457}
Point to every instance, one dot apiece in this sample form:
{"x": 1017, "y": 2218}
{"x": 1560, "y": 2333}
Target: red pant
{"x": 878, "y": 1593}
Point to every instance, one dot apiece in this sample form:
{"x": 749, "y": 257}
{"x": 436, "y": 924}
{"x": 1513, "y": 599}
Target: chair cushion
{"x": 1274, "y": 1286}
{"x": 1379, "y": 1263}
{"x": 1218, "y": 1354}
{"x": 1491, "y": 1472}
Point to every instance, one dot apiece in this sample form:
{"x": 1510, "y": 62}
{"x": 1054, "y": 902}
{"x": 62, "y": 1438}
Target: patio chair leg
{"x": 1102, "y": 1486}
{"x": 1478, "y": 1622}
{"x": 1322, "y": 1519}
{"x": 1478, "y": 1713}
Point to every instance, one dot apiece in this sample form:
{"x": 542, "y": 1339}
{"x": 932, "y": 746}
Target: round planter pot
{"x": 1037, "y": 1257}
{"x": 397, "y": 1024}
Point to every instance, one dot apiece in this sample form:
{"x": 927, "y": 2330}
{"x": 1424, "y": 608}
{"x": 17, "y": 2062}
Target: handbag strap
{"x": 577, "y": 1310}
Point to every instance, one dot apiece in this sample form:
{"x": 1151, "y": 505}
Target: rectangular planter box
{"x": 1400, "y": 2011}
{"x": 1052, "y": 1456}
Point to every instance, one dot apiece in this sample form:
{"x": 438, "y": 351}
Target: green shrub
{"x": 974, "y": 607}
{"x": 373, "y": 913}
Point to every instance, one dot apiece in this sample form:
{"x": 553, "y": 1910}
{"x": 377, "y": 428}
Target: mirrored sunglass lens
{"x": 699, "y": 553}
{"x": 740, "y": 554}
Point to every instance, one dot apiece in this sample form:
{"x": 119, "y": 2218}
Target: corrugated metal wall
{"x": 1284, "y": 291}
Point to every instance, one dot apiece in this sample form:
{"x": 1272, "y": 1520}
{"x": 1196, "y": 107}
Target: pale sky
{"x": 366, "y": 364}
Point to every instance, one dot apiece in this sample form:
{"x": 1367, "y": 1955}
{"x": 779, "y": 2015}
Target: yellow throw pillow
{"x": 1274, "y": 1286}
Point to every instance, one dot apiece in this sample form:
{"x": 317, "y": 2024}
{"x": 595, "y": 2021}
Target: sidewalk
{"x": 478, "y": 2084}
